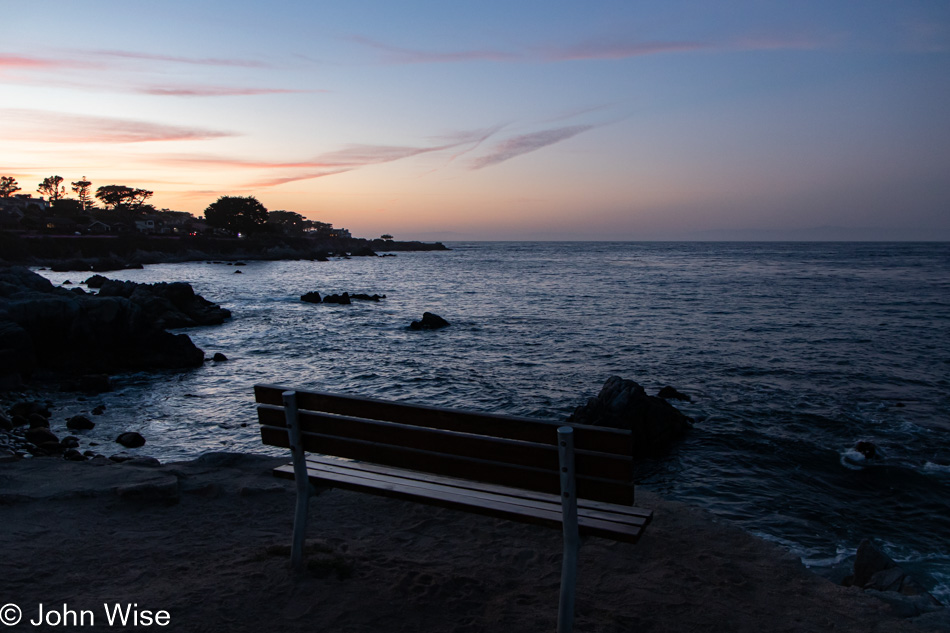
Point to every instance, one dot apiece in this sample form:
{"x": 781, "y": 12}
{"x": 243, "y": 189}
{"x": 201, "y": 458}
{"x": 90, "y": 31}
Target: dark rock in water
{"x": 40, "y": 435}
{"x": 240, "y": 264}
{"x": 670, "y": 393}
{"x": 311, "y": 297}
{"x": 343, "y": 299}
{"x": 99, "y": 410}
{"x": 37, "y": 421}
{"x": 170, "y": 305}
{"x": 868, "y": 449}
{"x": 238, "y": 272}
{"x": 429, "y": 321}
{"x": 873, "y": 569}
{"x": 6, "y": 424}
{"x": 67, "y": 283}
{"x": 623, "y": 404}
{"x": 130, "y": 439}
{"x": 365, "y": 297}
{"x": 95, "y": 281}
{"x": 19, "y": 420}
{"x": 70, "y": 441}
{"x": 80, "y": 423}
{"x": 219, "y": 357}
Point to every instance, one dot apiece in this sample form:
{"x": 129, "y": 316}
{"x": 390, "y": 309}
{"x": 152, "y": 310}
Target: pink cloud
{"x": 18, "y": 61}
{"x": 216, "y": 91}
{"x": 201, "y": 61}
{"x": 525, "y": 143}
{"x": 228, "y": 163}
{"x": 54, "y": 127}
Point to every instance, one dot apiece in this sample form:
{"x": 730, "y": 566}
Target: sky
{"x": 497, "y": 120}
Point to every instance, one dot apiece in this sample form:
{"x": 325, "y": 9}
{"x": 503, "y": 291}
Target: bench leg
{"x": 301, "y": 479}
{"x": 565, "y": 612}
{"x": 300, "y": 526}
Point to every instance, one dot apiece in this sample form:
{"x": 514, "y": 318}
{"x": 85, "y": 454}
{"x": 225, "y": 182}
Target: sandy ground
{"x": 208, "y": 542}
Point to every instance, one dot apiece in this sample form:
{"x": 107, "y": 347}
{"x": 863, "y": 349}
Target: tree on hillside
{"x": 50, "y": 187}
{"x": 120, "y": 196}
{"x": 287, "y": 222}
{"x": 8, "y": 186}
{"x": 237, "y": 214}
{"x": 82, "y": 190}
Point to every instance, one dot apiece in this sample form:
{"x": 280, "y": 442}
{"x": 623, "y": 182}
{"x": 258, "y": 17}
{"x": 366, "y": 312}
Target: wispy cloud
{"x": 400, "y": 55}
{"x": 592, "y": 49}
{"x": 177, "y": 59}
{"x": 274, "y": 182}
{"x": 617, "y": 50}
{"x": 215, "y": 91}
{"x": 525, "y": 143}
{"x": 24, "y": 62}
{"x": 19, "y": 61}
{"x": 55, "y": 127}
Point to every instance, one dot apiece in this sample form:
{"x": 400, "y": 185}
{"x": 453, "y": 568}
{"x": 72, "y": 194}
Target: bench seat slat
{"x": 594, "y": 438}
{"x": 467, "y": 488}
{"x": 487, "y": 504}
{"x": 475, "y": 469}
{"x": 318, "y": 461}
{"x": 531, "y": 454}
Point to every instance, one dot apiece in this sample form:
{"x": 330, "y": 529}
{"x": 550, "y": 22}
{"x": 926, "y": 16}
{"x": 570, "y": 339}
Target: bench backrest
{"x": 497, "y": 449}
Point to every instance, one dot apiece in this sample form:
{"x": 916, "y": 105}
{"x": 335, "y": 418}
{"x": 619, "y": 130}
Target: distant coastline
{"x": 101, "y": 253}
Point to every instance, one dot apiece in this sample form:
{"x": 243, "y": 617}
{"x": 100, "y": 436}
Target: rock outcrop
{"x": 49, "y": 328}
{"x": 429, "y": 321}
{"x": 168, "y": 305}
{"x": 623, "y": 404}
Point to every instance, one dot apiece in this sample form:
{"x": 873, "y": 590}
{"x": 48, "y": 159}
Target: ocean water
{"x": 792, "y": 353}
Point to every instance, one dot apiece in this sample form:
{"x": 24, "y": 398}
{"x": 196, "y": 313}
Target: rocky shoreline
{"x": 80, "y": 336}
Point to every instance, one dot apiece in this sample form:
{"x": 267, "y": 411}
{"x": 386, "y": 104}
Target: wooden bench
{"x": 578, "y": 478}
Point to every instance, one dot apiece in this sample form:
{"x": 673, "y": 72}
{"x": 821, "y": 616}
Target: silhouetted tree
{"x": 121, "y": 196}
{"x": 64, "y": 207}
{"x": 8, "y": 186}
{"x": 82, "y": 190}
{"x": 287, "y": 222}
{"x": 237, "y": 214}
{"x": 52, "y": 189}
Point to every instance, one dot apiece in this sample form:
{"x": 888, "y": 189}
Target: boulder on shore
{"x": 623, "y": 404}
{"x": 875, "y": 570}
{"x": 429, "y": 321}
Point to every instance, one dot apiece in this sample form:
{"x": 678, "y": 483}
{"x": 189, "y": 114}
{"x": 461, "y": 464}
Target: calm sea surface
{"x": 792, "y": 353}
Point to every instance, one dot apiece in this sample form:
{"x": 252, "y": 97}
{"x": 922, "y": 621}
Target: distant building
{"x": 24, "y": 202}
